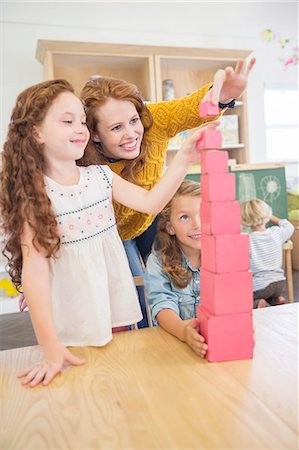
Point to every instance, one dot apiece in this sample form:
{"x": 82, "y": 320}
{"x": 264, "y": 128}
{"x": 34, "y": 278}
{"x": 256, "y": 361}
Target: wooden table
{"x": 148, "y": 390}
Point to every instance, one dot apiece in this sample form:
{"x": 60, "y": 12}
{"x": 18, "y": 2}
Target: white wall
{"x": 192, "y": 24}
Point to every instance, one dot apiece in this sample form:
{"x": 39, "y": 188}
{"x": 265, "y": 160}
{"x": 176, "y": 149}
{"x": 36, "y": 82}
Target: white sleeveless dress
{"x": 91, "y": 283}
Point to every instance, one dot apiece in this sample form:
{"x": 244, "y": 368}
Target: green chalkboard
{"x": 255, "y": 181}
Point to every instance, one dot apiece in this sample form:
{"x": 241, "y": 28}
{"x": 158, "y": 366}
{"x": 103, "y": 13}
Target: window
{"x": 281, "y": 116}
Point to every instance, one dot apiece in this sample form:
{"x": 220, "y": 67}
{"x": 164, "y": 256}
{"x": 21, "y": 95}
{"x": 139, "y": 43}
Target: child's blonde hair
{"x": 255, "y": 212}
{"x": 167, "y": 245}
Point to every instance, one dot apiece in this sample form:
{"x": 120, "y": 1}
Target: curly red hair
{"x": 23, "y": 197}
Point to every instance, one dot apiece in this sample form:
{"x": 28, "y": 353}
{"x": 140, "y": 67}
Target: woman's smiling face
{"x": 119, "y": 129}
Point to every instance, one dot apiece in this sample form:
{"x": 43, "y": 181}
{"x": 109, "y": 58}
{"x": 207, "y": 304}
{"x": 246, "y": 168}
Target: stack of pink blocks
{"x": 225, "y": 311}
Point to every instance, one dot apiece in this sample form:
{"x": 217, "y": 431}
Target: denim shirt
{"x": 162, "y": 294}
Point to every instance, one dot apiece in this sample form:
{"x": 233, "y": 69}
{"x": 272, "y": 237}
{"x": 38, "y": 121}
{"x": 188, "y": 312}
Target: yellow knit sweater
{"x": 170, "y": 118}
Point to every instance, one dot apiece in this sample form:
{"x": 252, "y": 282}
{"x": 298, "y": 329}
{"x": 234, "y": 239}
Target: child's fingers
{"x": 23, "y": 305}
{"x": 74, "y": 360}
{"x": 39, "y": 377}
{"x": 199, "y": 342}
{"x": 200, "y": 349}
{"x": 198, "y": 337}
{"x": 195, "y": 340}
{"x": 50, "y": 374}
{"x": 41, "y": 373}
{"x": 38, "y": 370}
{"x": 54, "y": 370}
{"x": 196, "y": 133}
{"x": 22, "y": 302}
{"x": 26, "y": 371}
{"x": 195, "y": 334}
{"x": 209, "y": 125}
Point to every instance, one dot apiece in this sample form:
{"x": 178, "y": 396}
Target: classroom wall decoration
{"x": 274, "y": 38}
{"x": 291, "y": 57}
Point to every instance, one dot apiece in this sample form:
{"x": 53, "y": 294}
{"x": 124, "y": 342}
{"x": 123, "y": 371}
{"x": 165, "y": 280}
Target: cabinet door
{"x": 189, "y": 74}
{"x": 78, "y": 68}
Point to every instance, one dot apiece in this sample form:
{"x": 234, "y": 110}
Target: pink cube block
{"x": 210, "y": 139}
{"x": 208, "y": 109}
{"x": 226, "y": 293}
{"x": 225, "y": 253}
{"x": 220, "y": 187}
{"x": 229, "y": 337}
{"x": 220, "y": 217}
{"x": 214, "y": 161}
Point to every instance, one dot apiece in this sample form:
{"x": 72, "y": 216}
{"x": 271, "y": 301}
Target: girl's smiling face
{"x": 63, "y": 132}
{"x": 119, "y": 129}
{"x": 185, "y": 223}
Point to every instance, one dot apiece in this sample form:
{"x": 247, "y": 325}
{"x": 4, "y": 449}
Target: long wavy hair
{"x": 23, "y": 197}
{"x": 94, "y": 95}
{"x": 167, "y": 245}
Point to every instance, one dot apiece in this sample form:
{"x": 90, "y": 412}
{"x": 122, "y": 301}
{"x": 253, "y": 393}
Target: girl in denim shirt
{"x": 172, "y": 270}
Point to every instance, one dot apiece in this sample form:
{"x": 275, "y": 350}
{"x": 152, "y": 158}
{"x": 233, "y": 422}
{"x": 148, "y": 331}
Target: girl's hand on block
{"x": 44, "y": 371}
{"x": 189, "y": 153}
{"x": 194, "y": 339}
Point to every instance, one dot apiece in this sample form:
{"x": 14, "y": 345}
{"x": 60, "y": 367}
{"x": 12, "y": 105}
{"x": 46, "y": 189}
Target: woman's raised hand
{"x": 229, "y": 83}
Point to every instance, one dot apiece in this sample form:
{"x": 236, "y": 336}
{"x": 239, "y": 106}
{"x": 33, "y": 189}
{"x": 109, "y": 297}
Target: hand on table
{"x": 44, "y": 371}
{"x": 194, "y": 339}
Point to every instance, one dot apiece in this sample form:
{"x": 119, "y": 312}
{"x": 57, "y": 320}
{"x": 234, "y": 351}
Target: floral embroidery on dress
{"x": 86, "y": 223}
{"x": 96, "y": 214}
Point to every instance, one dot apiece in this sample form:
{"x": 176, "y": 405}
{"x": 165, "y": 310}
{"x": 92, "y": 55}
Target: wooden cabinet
{"x": 78, "y": 61}
{"x": 147, "y": 67}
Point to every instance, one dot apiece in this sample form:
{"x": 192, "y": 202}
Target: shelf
{"x": 188, "y": 72}
{"x": 146, "y": 66}
{"x": 230, "y": 147}
{"x": 78, "y": 68}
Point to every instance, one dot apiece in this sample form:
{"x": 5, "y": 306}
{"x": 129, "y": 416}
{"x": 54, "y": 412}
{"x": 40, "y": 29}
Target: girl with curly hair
{"x": 132, "y": 137}
{"x": 172, "y": 281}
{"x": 61, "y": 238}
